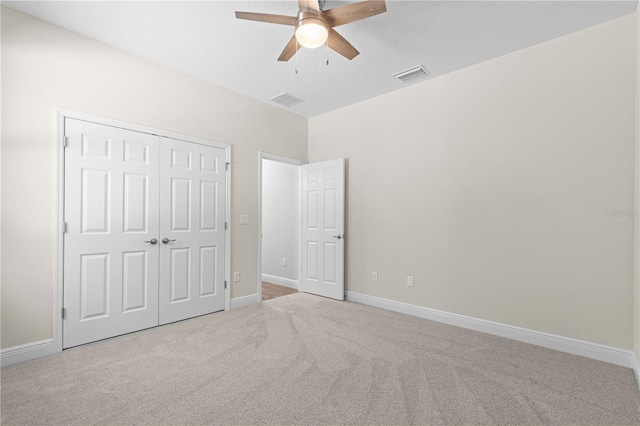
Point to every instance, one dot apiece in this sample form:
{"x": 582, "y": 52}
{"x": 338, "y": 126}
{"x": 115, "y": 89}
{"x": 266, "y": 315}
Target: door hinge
{"x": 64, "y": 313}
{"x": 65, "y": 141}
{"x": 64, "y": 227}
{"x": 225, "y": 284}
{"x": 225, "y": 226}
{"x": 226, "y": 166}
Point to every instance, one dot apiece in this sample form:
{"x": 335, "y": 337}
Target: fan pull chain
{"x": 326, "y": 43}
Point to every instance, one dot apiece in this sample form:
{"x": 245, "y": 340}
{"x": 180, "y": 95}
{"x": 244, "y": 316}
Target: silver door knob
{"x": 152, "y": 241}
{"x": 165, "y": 240}
{"x": 337, "y": 236}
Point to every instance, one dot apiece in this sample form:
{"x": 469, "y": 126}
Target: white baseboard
{"x": 636, "y": 370}
{"x": 241, "y": 302}
{"x": 286, "y": 282}
{"x": 610, "y": 354}
{"x": 26, "y": 352}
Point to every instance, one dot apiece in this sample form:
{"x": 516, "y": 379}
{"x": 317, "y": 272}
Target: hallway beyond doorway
{"x": 271, "y": 291}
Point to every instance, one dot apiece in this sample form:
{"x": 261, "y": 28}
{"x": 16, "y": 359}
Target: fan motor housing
{"x": 309, "y": 17}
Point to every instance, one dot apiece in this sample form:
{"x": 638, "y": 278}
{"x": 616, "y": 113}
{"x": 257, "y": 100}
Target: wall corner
{"x": 636, "y": 279}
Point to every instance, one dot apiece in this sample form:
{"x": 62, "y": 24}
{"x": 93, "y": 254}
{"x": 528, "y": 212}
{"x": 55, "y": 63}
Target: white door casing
{"x": 323, "y": 204}
{"x": 192, "y": 206}
{"x": 111, "y": 209}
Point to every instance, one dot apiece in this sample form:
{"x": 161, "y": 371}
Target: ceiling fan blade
{"x": 289, "y": 50}
{"x": 354, "y": 12}
{"x": 341, "y": 45}
{"x": 267, "y": 17}
{"x": 309, "y": 5}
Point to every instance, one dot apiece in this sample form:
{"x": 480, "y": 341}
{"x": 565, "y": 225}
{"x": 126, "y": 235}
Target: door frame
{"x": 58, "y": 249}
{"x": 262, "y": 155}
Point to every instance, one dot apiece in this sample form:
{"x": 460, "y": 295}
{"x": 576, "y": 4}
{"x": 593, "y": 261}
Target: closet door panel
{"x": 111, "y": 210}
{"x": 192, "y": 206}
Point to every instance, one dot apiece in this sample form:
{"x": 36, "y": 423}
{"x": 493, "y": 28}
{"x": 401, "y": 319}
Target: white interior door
{"x": 192, "y": 230}
{"x": 111, "y": 212}
{"x": 323, "y": 228}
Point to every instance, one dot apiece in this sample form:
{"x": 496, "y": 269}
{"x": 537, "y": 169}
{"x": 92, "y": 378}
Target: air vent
{"x": 286, "y": 100}
{"x": 412, "y": 74}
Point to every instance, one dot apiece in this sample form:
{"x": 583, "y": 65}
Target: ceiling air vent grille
{"x": 286, "y": 100}
{"x": 412, "y": 74}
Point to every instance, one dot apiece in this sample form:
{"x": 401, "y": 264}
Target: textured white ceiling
{"x": 204, "y": 39}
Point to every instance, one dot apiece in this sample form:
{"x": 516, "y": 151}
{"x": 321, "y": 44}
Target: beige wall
{"x": 45, "y": 67}
{"x": 489, "y": 185}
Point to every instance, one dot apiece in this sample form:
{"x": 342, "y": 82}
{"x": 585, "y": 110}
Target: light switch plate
{"x": 410, "y": 281}
{"x": 244, "y": 219}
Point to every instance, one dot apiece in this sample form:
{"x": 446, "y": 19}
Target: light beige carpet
{"x": 302, "y": 359}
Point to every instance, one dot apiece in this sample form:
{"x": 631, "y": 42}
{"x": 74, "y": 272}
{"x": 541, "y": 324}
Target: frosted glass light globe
{"x": 311, "y": 34}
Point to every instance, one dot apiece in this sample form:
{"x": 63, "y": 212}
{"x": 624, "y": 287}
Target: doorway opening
{"x": 301, "y": 216}
{"x": 279, "y": 207}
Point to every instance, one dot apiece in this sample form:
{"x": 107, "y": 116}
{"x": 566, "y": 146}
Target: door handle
{"x": 152, "y": 241}
{"x": 337, "y": 236}
{"x": 165, "y": 240}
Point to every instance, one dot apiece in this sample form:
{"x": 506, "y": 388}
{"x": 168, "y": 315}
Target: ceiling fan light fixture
{"x": 311, "y": 32}
{"x": 313, "y": 26}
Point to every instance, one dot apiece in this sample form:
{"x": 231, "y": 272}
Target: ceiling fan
{"x": 314, "y": 26}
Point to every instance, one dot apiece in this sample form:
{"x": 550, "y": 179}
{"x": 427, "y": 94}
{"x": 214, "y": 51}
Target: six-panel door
{"x": 192, "y": 206}
{"x": 111, "y": 209}
{"x": 323, "y": 228}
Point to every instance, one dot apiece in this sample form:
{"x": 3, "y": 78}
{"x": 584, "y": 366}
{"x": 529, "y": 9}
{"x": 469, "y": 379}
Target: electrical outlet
{"x": 236, "y": 277}
{"x": 374, "y": 276}
{"x": 410, "y": 281}
{"x": 284, "y": 262}
{"x": 244, "y": 219}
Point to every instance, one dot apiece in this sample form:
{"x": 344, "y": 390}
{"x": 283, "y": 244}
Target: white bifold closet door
{"x": 144, "y": 242}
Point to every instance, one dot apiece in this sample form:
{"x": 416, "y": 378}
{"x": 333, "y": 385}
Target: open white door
{"x": 323, "y": 228}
